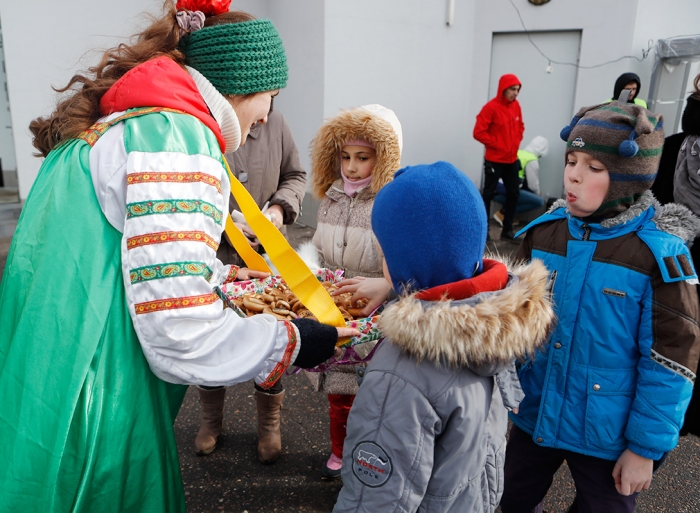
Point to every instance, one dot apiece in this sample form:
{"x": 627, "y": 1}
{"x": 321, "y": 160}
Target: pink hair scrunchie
{"x": 189, "y": 21}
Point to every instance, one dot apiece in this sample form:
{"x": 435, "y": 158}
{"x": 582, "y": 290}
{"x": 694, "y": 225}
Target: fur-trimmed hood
{"x": 489, "y": 328}
{"x": 672, "y": 218}
{"x": 372, "y": 123}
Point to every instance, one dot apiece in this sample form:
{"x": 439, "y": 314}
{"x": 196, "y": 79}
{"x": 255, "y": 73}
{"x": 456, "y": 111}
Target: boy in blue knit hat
{"x": 427, "y": 429}
{"x": 608, "y": 391}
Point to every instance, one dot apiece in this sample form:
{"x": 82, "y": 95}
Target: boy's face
{"x": 586, "y": 181}
{"x": 357, "y": 162}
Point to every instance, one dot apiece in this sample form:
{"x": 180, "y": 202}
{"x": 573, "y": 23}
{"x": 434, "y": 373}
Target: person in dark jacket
{"x": 631, "y": 82}
{"x": 676, "y": 157}
{"x": 268, "y": 166}
{"x": 500, "y": 128}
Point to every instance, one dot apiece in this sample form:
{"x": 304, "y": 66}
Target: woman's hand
{"x": 254, "y": 243}
{"x": 632, "y": 473}
{"x": 318, "y": 341}
{"x": 375, "y": 290}
{"x": 345, "y": 333}
{"x": 275, "y": 213}
{"x": 248, "y": 274}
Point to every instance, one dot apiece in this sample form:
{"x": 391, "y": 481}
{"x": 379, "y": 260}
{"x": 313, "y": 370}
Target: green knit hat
{"x": 628, "y": 140}
{"x": 238, "y": 58}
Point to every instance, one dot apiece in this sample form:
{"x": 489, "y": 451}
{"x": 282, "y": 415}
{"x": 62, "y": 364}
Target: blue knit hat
{"x": 431, "y": 224}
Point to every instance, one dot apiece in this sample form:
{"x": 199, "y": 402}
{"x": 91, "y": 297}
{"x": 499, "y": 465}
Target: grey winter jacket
{"x": 427, "y": 431}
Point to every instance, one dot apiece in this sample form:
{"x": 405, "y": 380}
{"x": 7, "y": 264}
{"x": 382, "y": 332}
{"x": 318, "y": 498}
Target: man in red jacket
{"x": 499, "y": 127}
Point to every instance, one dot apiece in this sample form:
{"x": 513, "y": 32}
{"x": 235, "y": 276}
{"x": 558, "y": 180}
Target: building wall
{"x": 47, "y": 49}
{"x": 402, "y": 54}
{"x": 399, "y": 53}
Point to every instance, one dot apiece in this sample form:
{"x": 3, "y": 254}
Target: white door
{"x": 546, "y": 99}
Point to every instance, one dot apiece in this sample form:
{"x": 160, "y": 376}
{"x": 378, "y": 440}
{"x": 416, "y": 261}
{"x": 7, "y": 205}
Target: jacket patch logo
{"x": 578, "y": 143}
{"x": 613, "y": 292}
{"x": 371, "y": 464}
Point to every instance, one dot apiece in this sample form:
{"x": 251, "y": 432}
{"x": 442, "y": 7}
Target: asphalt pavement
{"x": 231, "y": 479}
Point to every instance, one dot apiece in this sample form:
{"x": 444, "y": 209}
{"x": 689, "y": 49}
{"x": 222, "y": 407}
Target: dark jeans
{"x": 509, "y": 174}
{"x": 530, "y": 469}
{"x": 526, "y": 201}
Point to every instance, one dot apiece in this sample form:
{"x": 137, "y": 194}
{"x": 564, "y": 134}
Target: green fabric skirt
{"x": 84, "y": 424}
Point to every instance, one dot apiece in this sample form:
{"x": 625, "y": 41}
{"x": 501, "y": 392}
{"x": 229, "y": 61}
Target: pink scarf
{"x": 351, "y": 188}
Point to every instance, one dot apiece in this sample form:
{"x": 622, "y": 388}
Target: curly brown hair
{"x": 81, "y": 109}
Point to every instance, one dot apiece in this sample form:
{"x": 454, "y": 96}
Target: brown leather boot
{"x": 269, "y": 436}
{"x": 212, "y": 418}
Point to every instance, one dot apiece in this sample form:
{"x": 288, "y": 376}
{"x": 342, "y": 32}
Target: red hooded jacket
{"x": 499, "y": 125}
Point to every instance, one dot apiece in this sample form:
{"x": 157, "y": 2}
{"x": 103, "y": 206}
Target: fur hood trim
{"x": 378, "y": 126}
{"x": 503, "y": 326}
{"x": 672, "y": 218}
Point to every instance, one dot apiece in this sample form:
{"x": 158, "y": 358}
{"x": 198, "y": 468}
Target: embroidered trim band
{"x": 279, "y": 369}
{"x": 176, "y": 303}
{"x": 164, "y": 237}
{"x": 170, "y": 270}
{"x": 92, "y": 134}
{"x": 154, "y": 177}
{"x": 174, "y": 206}
{"x": 232, "y": 273}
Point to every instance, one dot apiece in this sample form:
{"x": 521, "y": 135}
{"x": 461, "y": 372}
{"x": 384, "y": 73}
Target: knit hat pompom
{"x": 566, "y": 131}
{"x": 628, "y": 140}
{"x": 431, "y": 224}
{"x": 238, "y": 58}
{"x": 628, "y": 148}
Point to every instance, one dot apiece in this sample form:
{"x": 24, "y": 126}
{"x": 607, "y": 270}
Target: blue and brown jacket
{"x": 618, "y": 370}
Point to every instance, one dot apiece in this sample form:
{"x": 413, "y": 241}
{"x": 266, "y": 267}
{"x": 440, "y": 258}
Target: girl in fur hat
{"x": 353, "y": 156}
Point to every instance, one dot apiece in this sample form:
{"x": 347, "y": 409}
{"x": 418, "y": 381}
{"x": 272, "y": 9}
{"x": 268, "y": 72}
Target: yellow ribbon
{"x": 291, "y": 267}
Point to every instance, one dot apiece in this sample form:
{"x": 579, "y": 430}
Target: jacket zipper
{"x": 586, "y": 231}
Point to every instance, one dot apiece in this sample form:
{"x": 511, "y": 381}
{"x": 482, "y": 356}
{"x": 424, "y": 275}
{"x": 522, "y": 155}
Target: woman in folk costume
{"x": 108, "y": 304}
{"x": 354, "y": 155}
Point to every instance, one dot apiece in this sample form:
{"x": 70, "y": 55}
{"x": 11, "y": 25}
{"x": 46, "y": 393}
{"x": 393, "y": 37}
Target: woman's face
{"x": 252, "y": 109}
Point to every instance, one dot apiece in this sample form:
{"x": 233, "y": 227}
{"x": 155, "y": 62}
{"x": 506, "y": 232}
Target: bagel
{"x": 355, "y": 312}
{"x": 281, "y": 303}
{"x": 269, "y": 311}
{"x": 280, "y": 311}
{"x": 253, "y": 304}
{"x": 267, "y": 297}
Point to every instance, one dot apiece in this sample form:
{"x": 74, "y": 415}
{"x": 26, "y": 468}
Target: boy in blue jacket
{"x": 608, "y": 391}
